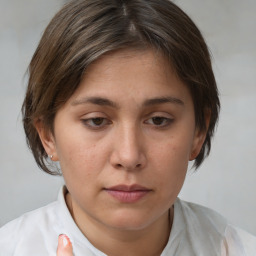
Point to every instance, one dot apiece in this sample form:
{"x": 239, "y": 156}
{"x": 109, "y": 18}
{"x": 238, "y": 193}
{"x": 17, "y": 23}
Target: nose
{"x": 128, "y": 149}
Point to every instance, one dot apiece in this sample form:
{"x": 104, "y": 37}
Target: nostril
{"x": 120, "y": 166}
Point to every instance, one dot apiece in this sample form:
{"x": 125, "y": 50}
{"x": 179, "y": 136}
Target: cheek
{"x": 176, "y": 151}
{"x": 78, "y": 159}
{"x": 171, "y": 162}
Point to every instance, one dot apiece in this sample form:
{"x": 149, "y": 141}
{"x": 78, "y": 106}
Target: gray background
{"x": 227, "y": 179}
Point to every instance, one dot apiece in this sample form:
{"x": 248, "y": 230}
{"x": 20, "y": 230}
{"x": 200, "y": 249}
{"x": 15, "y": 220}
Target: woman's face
{"x": 124, "y": 140}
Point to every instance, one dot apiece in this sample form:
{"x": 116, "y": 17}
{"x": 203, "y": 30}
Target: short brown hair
{"x": 84, "y": 30}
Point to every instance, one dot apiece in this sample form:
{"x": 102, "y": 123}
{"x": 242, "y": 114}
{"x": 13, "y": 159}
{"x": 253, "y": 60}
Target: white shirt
{"x": 196, "y": 231}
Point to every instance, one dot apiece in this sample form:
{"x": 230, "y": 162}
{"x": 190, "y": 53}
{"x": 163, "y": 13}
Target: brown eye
{"x": 97, "y": 121}
{"x": 159, "y": 120}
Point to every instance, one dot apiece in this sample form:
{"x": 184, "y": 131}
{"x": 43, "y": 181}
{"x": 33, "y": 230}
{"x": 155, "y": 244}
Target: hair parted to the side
{"x": 84, "y": 30}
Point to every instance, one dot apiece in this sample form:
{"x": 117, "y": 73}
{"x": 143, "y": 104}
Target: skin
{"x": 131, "y": 121}
{"x": 64, "y": 246}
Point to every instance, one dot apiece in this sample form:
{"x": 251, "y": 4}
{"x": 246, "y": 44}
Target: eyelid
{"x": 87, "y": 120}
{"x": 164, "y": 118}
{"x": 93, "y": 114}
{"x": 160, "y": 114}
{"x": 167, "y": 119}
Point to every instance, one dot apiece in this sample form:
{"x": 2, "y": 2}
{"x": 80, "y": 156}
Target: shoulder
{"x": 36, "y": 216}
{"x": 203, "y": 217}
{"x": 204, "y": 222}
{"x": 238, "y": 242}
{"x": 31, "y": 227}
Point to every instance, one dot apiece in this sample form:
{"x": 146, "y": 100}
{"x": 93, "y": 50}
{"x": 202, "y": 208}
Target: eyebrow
{"x": 163, "y": 100}
{"x": 106, "y": 102}
{"x": 95, "y": 100}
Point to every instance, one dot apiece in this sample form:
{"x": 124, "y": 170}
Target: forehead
{"x": 130, "y": 58}
{"x": 130, "y": 78}
{"x": 140, "y": 73}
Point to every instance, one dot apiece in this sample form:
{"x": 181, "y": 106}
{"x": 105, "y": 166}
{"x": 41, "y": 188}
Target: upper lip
{"x": 128, "y": 188}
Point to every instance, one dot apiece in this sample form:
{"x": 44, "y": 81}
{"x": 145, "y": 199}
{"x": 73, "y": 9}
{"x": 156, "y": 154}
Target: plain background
{"x": 226, "y": 181}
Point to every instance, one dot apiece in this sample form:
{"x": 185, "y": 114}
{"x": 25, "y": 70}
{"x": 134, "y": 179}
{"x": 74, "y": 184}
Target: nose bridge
{"x": 128, "y": 149}
{"x": 129, "y": 137}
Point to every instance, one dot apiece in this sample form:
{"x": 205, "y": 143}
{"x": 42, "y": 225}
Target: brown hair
{"x": 84, "y": 30}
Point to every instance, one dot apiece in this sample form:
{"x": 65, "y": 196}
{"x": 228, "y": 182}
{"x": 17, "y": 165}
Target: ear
{"x": 47, "y": 139}
{"x": 199, "y": 138}
{"x": 198, "y": 142}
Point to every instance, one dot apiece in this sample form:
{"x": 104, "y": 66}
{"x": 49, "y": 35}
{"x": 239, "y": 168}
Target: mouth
{"x": 128, "y": 194}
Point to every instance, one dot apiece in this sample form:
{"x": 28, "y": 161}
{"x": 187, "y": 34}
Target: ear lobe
{"x": 47, "y": 139}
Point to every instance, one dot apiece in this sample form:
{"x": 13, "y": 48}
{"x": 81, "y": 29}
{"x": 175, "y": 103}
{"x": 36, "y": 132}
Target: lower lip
{"x": 128, "y": 196}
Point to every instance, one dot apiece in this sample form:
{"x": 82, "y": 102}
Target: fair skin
{"x": 124, "y": 140}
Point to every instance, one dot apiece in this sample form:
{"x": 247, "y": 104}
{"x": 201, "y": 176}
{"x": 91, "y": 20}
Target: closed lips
{"x": 128, "y": 194}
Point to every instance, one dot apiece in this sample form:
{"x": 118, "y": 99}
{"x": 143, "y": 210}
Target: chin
{"x": 127, "y": 220}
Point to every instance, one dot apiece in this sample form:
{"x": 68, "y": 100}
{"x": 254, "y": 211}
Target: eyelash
{"x": 167, "y": 121}
{"x": 90, "y": 122}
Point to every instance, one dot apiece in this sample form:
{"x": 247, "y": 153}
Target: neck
{"x": 150, "y": 240}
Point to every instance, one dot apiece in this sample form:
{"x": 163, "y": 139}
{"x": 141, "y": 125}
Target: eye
{"x": 96, "y": 122}
{"x": 159, "y": 121}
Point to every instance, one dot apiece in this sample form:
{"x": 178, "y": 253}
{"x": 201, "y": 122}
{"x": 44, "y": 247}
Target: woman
{"x": 122, "y": 95}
